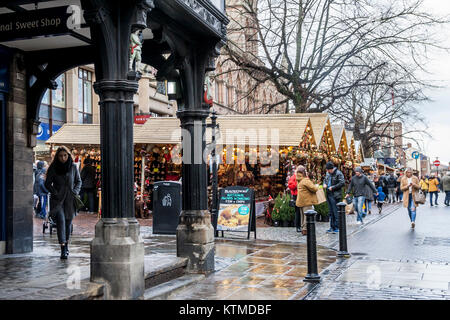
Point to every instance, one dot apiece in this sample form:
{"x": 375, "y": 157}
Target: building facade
{"x": 390, "y": 141}
{"x": 235, "y": 92}
{"x": 74, "y": 101}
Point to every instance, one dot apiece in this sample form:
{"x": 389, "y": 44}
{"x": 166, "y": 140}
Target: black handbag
{"x": 78, "y": 203}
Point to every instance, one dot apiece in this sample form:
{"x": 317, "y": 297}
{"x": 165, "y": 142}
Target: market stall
{"x": 255, "y": 151}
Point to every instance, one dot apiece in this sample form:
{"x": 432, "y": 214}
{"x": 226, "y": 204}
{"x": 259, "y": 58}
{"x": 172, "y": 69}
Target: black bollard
{"x": 342, "y": 231}
{"x": 311, "y": 245}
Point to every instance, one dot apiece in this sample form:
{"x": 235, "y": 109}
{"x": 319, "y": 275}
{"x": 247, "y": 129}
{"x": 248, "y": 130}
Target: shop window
{"x": 53, "y": 106}
{"x": 161, "y": 87}
{"x": 84, "y": 96}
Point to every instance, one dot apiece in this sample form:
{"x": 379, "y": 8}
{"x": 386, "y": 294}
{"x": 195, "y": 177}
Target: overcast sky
{"x": 437, "y": 112}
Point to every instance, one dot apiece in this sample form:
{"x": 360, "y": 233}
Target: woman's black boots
{"x": 64, "y": 252}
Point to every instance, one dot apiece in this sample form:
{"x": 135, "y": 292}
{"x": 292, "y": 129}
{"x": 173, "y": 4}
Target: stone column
{"x": 19, "y": 159}
{"x": 117, "y": 251}
{"x": 195, "y": 233}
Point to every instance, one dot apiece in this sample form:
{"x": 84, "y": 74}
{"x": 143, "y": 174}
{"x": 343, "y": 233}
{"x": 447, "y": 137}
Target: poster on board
{"x": 236, "y": 210}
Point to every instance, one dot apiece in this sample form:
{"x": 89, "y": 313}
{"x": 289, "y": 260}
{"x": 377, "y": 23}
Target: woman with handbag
{"x": 306, "y": 195}
{"x": 410, "y": 187}
{"x": 64, "y": 183}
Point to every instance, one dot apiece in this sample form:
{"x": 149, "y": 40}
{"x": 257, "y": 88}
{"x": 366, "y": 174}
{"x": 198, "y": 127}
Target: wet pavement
{"x": 259, "y": 270}
{"x": 323, "y": 238}
{"x": 245, "y": 269}
{"x": 274, "y": 265}
{"x": 393, "y": 261}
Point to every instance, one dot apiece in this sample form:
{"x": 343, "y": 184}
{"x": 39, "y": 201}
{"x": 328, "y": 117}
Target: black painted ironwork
{"x": 342, "y": 231}
{"x": 311, "y": 246}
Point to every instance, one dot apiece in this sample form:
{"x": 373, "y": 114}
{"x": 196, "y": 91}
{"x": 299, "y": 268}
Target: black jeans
{"x": 63, "y": 226}
{"x": 90, "y": 194}
{"x": 431, "y": 197}
{"x": 447, "y": 198}
{"x": 297, "y": 221}
{"x": 333, "y": 211}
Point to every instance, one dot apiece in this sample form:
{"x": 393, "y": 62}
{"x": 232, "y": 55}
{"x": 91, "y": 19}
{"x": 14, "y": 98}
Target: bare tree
{"x": 392, "y": 95}
{"x": 304, "y": 47}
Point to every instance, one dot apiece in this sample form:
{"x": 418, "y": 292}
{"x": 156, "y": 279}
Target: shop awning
{"x": 251, "y": 129}
{"x": 277, "y": 130}
{"x": 338, "y": 131}
{"x": 318, "y": 124}
{"x": 79, "y": 134}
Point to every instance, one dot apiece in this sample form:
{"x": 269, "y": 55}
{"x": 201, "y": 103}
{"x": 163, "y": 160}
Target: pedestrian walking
{"x": 381, "y": 197}
{"x": 391, "y": 183}
{"x": 292, "y": 185}
{"x": 424, "y": 185}
{"x": 446, "y": 187}
{"x": 42, "y": 192}
{"x": 433, "y": 189}
{"x": 399, "y": 191}
{"x": 64, "y": 182}
{"x": 35, "y": 197}
{"x": 376, "y": 182}
{"x": 333, "y": 183}
{"x": 306, "y": 195}
{"x": 369, "y": 198}
{"x": 410, "y": 186}
{"x": 384, "y": 183}
{"x": 88, "y": 184}
{"x": 357, "y": 187}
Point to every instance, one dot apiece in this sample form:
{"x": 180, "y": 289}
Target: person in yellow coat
{"x": 424, "y": 185}
{"x": 433, "y": 188}
{"x": 306, "y": 195}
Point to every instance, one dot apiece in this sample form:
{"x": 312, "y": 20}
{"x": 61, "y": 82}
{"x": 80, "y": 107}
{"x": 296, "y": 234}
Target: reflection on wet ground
{"x": 245, "y": 269}
{"x": 260, "y": 270}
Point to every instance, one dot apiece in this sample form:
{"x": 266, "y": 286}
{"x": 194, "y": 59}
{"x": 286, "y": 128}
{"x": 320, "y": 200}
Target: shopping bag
{"x": 321, "y": 196}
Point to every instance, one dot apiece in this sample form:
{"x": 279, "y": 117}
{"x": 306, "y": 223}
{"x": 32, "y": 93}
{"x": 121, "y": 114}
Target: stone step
{"x": 164, "y": 290}
{"x": 160, "y": 269}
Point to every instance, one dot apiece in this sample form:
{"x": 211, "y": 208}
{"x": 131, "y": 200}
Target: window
{"x": 226, "y": 95}
{"x": 53, "y": 106}
{"x": 84, "y": 96}
{"x": 161, "y": 87}
{"x": 216, "y": 88}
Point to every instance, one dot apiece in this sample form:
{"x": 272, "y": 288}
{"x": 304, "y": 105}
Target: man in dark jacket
{"x": 41, "y": 192}
{"x": 358, "y": 185}
{"x": 37, "y": 171}
{"x": 333, "y": 184}
{"x": 391, "y": 183}
{"x": 88, "y": 184}
{"x": 446, "y": 188}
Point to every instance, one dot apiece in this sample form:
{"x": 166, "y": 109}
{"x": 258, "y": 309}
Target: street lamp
{"x": 215, "y": 126}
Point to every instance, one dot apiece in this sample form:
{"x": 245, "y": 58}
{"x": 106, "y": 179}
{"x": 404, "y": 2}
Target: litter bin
{"x": 166, "y": 206}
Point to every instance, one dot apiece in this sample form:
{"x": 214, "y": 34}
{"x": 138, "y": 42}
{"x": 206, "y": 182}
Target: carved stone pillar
{"x": 195, "y": 233}
{"x": 117, "y": 251}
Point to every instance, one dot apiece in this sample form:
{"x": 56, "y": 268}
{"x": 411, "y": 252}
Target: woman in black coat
{"x": 63, "y": 181}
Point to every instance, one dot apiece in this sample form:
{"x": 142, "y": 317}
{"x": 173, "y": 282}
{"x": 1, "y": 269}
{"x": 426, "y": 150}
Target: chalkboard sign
{"x": 237, "y": 210}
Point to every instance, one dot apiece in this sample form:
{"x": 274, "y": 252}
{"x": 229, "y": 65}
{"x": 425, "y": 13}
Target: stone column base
{"x": 195, "y": 241}
{"x": 117, "y": 258}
